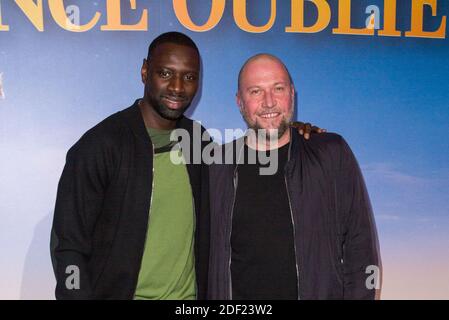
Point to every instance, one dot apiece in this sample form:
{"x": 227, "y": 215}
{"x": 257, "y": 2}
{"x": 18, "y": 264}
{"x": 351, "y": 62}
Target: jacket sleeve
{"x": 361, "y": 260}
{"x": 78, "y": 204}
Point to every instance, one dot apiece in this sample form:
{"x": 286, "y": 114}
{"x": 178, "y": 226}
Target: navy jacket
{"x": 102, "y": 208}
{"x": 334, "y": 230}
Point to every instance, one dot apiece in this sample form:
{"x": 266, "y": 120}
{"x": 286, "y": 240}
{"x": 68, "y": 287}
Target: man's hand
{"x": 305, "y": 129}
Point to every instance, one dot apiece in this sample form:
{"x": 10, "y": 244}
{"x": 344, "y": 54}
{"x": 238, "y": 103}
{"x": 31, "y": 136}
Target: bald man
{"x": 304, "y": 231}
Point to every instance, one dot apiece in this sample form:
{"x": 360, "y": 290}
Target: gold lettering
{"x": 344, "y": 21}
{"x": 182, "y": 13}
{"x": 33, "y": 11}
{"x": 389, "y": 29}
{"x": 297, "y": 10}
{"x": 418, "y": 21}
{"x": 58, "y": 13}
{"x": 241, "y": 19}
{"x": 114, "y": 22}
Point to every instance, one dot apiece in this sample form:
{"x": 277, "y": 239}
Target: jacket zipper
{"x": 294, "y": 236}
{"x": 235, "y": 182}
{"x": 293, "y": 220}
{"x": 152, "y": 192}
{"x": 194, "y": 224}
{"x": 146, "y": 233}
{"x": 148, "y": 222}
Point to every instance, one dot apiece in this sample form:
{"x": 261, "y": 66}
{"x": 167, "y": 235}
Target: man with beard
{"x": 304, "y": 231}
{"x": 129, "y": 222}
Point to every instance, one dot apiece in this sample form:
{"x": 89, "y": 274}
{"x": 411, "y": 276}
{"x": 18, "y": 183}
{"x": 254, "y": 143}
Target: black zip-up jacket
{"x": 102, "y": 209}
{"x": 335, "y": 237}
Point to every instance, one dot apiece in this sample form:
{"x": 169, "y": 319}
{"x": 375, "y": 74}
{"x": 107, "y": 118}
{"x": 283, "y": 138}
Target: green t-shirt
{"x": 168, "y": 266}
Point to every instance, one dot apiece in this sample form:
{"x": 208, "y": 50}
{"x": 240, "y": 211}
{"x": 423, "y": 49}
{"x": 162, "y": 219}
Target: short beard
{"x": 167, "y": 113}
{"x": 271, "y": 135}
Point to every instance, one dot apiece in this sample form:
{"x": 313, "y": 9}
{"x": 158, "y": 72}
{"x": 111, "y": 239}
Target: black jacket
{"x": 102, "y": 208}
{"x": 334, "y": 229}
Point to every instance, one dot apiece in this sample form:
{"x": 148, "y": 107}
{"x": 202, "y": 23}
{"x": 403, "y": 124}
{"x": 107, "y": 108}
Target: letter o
{"x": 182, "y": 13}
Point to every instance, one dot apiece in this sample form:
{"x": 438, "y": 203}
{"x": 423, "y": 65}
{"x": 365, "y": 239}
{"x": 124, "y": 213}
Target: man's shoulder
{"x": 106, "y": 133}
{"x": 329, "y": 148}
{"x": 328, "y": 141}
{"x": 326, "y": 138}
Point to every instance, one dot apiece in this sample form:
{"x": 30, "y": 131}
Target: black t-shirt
{"x": 263, "y": 258}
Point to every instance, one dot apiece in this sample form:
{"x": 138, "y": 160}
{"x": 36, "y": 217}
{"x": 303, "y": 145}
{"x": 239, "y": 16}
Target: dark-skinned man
{"x": 129, "y": 223}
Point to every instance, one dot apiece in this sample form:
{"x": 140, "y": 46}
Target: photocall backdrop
{"x": 373, "y": 71}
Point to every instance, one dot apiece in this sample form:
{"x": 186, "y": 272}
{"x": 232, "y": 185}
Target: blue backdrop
{"x": 388, "y": 96}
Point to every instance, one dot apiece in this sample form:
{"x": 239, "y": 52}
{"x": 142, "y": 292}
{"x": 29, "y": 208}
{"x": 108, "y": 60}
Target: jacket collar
{"x": 134, "y": 118}
{"x": 238, "y": 144}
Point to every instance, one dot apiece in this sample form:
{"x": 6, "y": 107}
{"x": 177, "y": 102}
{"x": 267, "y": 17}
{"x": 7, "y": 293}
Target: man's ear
{"x": 293, "y": 92}
{"x": 144, "y": 71}
{"x": 238, "y": 99}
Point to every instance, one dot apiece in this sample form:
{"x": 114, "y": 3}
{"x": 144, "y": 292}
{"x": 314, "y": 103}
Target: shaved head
{"x": 261, "y": 57}
{"x": 265, "y": 97}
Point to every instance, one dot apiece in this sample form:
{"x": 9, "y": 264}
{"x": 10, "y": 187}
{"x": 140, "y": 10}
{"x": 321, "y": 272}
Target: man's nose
{"x": 176, "y": 84}
{"x": 268, "y": 101}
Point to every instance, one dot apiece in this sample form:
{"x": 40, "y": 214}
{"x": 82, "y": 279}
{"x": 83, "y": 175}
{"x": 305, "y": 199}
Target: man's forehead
{"x": 169, "y": 50}
{"x": 264, "y": 68}
{"x": 268, "y": 71}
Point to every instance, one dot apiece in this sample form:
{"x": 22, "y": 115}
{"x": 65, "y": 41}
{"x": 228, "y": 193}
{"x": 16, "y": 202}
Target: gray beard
{"x": 269, "y": 134}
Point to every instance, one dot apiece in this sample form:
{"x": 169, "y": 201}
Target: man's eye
{"x": 279, "y": 89}
{"x": 254, "y": 92}
{"x": 164, "y": 74}
{"x": 190, "y": 77}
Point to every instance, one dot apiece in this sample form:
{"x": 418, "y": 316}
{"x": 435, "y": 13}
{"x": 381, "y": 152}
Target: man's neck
{"x": 152, "y": 119}
{"x": 259, "y": 144}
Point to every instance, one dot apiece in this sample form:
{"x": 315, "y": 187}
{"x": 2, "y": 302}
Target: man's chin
{"x": 272, "y": 133}
{"x": 171, "y": 114}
